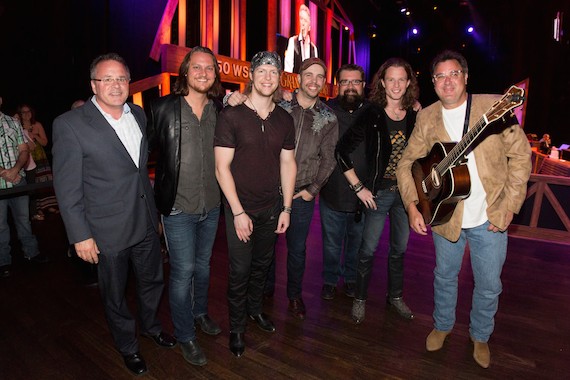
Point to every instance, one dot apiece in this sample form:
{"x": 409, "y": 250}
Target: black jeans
{"x": 249, "y": 264}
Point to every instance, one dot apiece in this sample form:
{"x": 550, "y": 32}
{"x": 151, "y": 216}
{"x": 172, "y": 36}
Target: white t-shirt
{"x": 474, "y": 213}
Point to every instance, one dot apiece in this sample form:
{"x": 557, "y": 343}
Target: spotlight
{"x": 415, "y": 31}
{"x": 403, "y": 10}
{"x": 470, "y": 29}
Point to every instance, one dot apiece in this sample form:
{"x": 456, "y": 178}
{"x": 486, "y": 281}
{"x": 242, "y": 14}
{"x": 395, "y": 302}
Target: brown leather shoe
{"x": 481, "y": 353}
{"x": 435, "y": 339}
{"x": 297, "y": 308}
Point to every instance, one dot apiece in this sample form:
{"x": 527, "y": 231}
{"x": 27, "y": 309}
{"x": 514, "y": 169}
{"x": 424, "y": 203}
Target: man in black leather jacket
{"x": 384, "y": 129}
{"x": 181, "y": 126}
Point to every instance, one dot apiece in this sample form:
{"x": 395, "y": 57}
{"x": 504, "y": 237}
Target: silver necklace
{"x": 258, "y": 115}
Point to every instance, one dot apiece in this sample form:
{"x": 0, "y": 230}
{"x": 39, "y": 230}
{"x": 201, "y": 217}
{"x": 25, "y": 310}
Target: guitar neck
{"x": 462, "y": 146}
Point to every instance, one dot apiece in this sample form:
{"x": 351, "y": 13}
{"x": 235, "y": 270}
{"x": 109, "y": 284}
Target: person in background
{"x": 187, "y": 195}
{"x": 499, "y": 167}
{"x": 545, "y": 144}
{"x": 300, "y": 46}
{"x": 254, "y": 150}
{"x": 101, "y": 180}
{"x": 14, "y": 155}
{"x": 30, "y": 170}
{"x": 78, "y": 103}
{"x": 43, "y": 172}
{"x": 384, "y": 128}
{"x": 342, "y": 219}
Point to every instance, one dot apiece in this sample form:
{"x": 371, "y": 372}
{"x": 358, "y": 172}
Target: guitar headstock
{"x": 512, "y": 99}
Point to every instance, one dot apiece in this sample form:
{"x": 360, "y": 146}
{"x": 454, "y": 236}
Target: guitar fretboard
{"x": 461, "y": 147}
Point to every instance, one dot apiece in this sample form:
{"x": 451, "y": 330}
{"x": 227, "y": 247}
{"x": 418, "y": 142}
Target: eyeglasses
{"x": 453, "y": 75}
{"x": 354, "y": 82}
{"x": 109, "y": 81}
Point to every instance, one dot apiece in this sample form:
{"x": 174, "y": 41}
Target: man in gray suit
{"x": 106, "y": 201}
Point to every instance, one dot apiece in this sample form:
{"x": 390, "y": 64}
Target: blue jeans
{"x": 387, "y": 202}
{"x": 189, "y": 238}
{"x": 340, "y": 233}
{"x": 296, "y": 248}
{"x": 19, "y": 205}
{"x": 488, "y": 251}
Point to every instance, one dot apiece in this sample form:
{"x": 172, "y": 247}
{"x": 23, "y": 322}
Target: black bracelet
{"x": 359, "y": 189}
{"x": 286, "y": 209}
{"x": 239, "y": 213}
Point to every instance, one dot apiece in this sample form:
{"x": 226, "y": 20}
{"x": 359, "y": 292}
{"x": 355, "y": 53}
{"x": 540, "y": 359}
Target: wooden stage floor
{"x": 52, "y": 327}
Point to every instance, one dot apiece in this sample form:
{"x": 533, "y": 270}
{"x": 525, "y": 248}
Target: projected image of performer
{"x": 300, "y": 46}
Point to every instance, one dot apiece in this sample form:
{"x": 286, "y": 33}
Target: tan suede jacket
{"x": 503, "y": 161}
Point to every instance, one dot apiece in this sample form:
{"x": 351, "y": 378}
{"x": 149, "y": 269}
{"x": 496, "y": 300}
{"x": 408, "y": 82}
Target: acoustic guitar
{"x": 441, "y": 177}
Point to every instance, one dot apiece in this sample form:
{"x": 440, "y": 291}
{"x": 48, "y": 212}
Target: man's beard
{"x": 350, "y": 101}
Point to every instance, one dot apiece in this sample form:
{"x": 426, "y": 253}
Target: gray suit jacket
{"x": 101, "y": 192}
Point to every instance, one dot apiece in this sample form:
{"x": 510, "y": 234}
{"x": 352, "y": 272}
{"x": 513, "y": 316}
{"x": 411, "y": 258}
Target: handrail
{"x": 541, "y": 192}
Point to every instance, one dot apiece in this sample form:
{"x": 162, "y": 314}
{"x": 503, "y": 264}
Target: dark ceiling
{"x": 513, "y": 40}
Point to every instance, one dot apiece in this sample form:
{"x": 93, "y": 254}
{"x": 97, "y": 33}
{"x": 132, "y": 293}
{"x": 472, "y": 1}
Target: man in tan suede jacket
{"x": 499, "y": 166}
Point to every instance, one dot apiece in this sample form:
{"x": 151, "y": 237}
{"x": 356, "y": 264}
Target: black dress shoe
{"x": 328, "y": 292}
{"x": 135, "y": 363}
{"x": 192, "y": 353}
{"x": 5, "y": 271}
{"x": 349, "y": 289}
{"x": 208, "y": 325}
{"x": 263, "y": 322}
{"x": 297, "y": 308}
{"x": 163, "y": 340}
{"x": 237, "y": 344}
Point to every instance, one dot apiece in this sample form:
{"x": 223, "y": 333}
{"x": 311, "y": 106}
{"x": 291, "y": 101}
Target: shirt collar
{"x": 126, "y": 108}
{"x": 294, "y": 102}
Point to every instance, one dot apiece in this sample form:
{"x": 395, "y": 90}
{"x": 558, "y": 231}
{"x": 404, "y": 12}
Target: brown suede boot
{"x": 435, "y": 339}
{"x": 481, "y": 353}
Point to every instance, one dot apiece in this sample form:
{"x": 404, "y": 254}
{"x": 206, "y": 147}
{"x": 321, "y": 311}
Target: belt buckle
{"x": 393, "y": 188}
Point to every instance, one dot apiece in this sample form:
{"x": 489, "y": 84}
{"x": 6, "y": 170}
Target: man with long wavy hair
{"x": 187, "y": 195}
{"x": 384, "y": 129}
